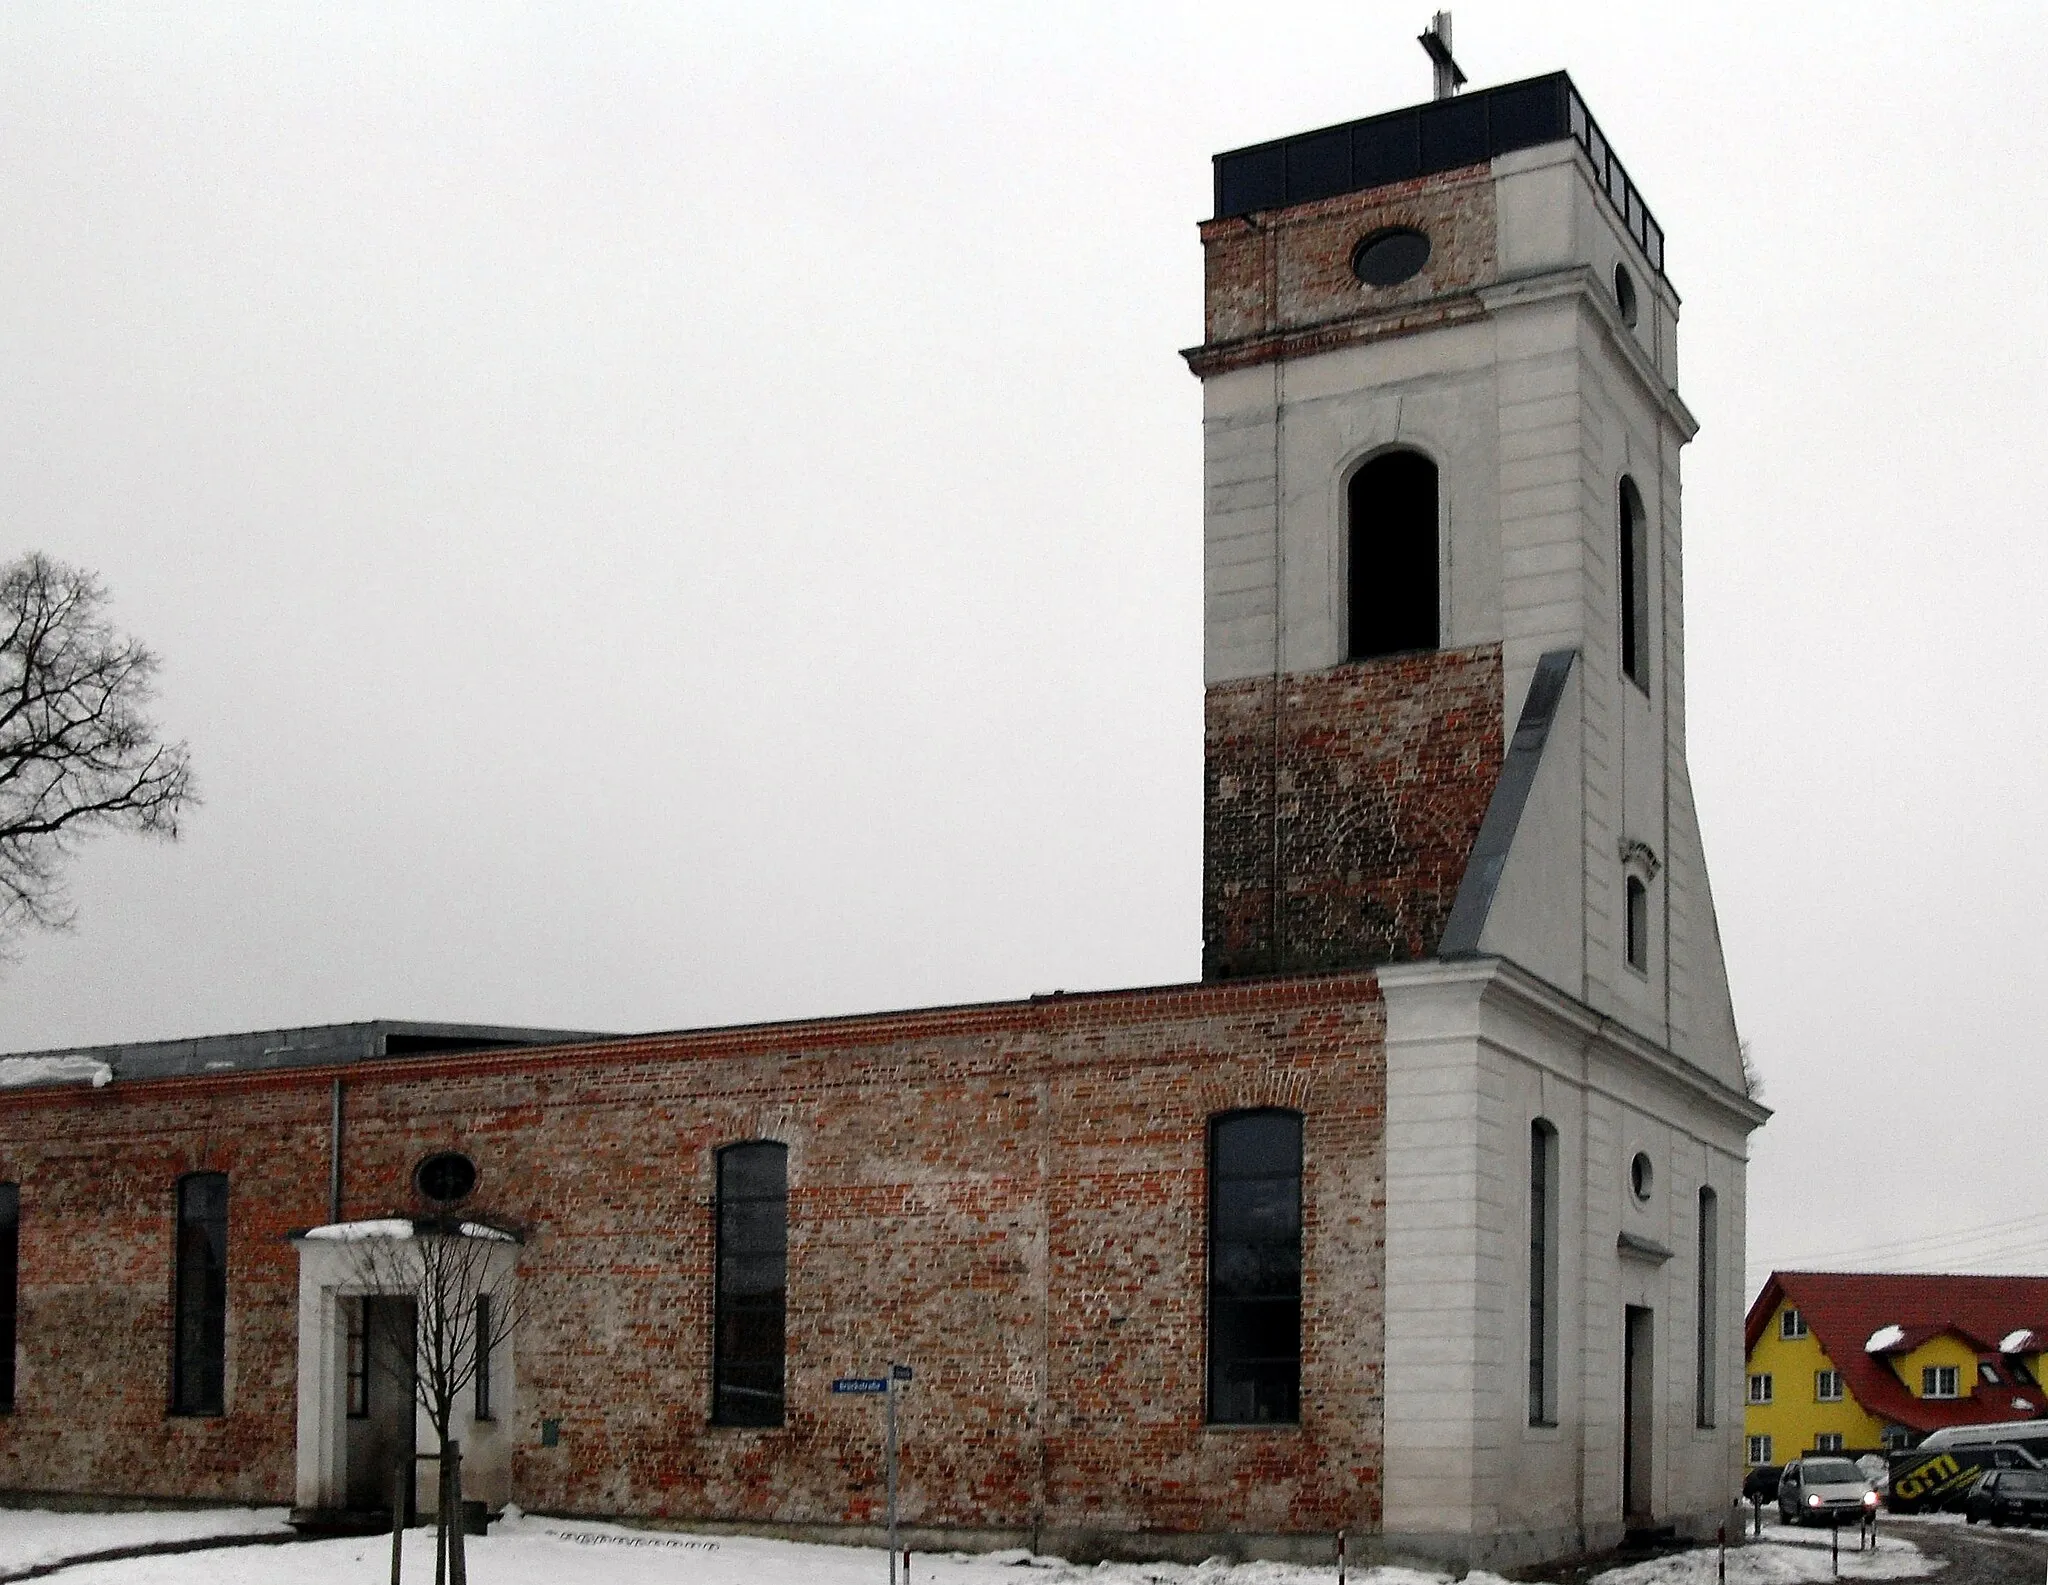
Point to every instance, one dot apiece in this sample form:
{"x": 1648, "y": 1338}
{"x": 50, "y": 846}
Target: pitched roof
{"x": 1845, "y": 1311}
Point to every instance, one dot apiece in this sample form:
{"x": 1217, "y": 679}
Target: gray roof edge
{"x": 1504, "y": 810}
{"x": 311, "y": 1045}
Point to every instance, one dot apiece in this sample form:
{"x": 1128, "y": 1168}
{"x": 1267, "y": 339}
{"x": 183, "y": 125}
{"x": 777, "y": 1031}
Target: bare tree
{"x": 461, "y": 1276}
{"x": 78, "y": 751}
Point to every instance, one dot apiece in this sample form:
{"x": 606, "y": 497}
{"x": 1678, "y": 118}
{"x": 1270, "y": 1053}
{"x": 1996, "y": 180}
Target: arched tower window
{"x": 752, "y": 1275}
{"x": 1392, "y": 509}
{"x": 1255, "y": 1268}
{"x": 1635, "y": 923}
{"x": 1634, "y": 550}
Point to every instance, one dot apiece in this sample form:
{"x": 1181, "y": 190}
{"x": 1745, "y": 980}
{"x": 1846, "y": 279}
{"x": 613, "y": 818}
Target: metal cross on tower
{"x": 1437, "y": 41}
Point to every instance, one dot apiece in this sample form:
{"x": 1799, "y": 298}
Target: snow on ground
{"x": 526, "y": 1550}
{"x": 33, "y": 1536}
{"x": 1787, "y": 1555}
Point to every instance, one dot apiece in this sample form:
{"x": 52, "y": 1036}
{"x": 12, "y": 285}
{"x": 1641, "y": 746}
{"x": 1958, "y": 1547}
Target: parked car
{"x": 1760, "y": 1485}
{"x": 2008, "y": 1496}
{"x": 1823, "y": 1491}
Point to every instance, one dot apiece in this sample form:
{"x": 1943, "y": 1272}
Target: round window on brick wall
{"x": 1389, "y": 257}
{"x": 445, "y": 1177}
{"x": 1640, "y": 1176}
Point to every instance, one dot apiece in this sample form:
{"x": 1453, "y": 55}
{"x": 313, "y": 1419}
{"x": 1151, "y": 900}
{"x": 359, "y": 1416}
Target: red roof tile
{"x": 1843, "y": 1310}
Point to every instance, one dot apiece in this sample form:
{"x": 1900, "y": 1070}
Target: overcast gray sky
{"x": 665, "y": 515}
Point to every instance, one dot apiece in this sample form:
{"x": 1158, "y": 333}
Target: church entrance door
{"x": 1637, "y": 1396}
{"x": 379, "y": 1388}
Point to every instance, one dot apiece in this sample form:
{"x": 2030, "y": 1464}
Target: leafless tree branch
{"x": 79, "y": 753}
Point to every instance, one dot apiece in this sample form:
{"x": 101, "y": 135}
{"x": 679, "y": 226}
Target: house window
{"x": 1828, "y": 1442}
{"x": 1938, "y": 1381}
{"x": 1759, "y": 1386}
{"x": 1759, "y": 1450}
{"x": 10, "y": 1287}
{"x": 485, "y": 1342}
{"x": 1636, "y": 923}
{"x": 1897, "y": 1438}
{"x": 355, "y": 1319}
{"x": 1542, "y": 1273}
{"x": 1255, "y": 1268}
{"x": 1708, "y": 1307}
{"x": 1392, "y": 503}
{"x": 1791, "y": 1324}
{"x": 752, "y": 1278}
{"x": 1987, "y": 1373}
{"x": 1827, "y": 1386}
{"x": 200, "y": 1331}
{"x": 1633, "y": 534}
{"x": 2021, "y": 1376}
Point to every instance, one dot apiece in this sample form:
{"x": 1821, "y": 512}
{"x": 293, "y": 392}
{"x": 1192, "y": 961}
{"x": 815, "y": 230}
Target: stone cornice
{"x": 1501, "y": 979}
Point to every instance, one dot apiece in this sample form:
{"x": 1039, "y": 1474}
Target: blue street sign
{"x": 861, "y": 1384}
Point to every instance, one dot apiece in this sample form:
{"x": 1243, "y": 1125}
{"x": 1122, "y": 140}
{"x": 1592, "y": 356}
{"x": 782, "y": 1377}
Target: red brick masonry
{"x": 1009, "y": 1197}
{"x": 1363, "y": 794}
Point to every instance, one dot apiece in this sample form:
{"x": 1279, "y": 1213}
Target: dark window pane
{"x": 1394, "y": 563}
{"x": 1255, "y": 1268}
{"x": 752, "y": 1273}
{"x": 199, "y": 1346}
{"x": 10, "y": 1286}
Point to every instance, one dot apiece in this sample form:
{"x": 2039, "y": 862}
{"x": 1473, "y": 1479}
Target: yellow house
{"x": 1864, "y": 1361}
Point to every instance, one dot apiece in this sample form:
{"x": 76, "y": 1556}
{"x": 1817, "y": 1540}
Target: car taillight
{"x": 1870, "y": 1499}
{"x": 1813, "y": 1501}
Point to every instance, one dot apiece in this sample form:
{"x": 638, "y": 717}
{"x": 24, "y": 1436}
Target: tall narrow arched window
{"x": 1542, "y": 1273}
{"x": 10, "y": 1286}
{"x": 1255, "y": 1268}
{"x": 1391, "y": 507}
{"x": 199, "y": 1346}
{"x": 1635, "y": 923}
{"x": 1709, "y": 1299}
{"x": 1634, "y": 553}
{"x": 752, "y": 1275}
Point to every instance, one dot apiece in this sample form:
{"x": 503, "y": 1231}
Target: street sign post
{"x": 885, "y": 1387}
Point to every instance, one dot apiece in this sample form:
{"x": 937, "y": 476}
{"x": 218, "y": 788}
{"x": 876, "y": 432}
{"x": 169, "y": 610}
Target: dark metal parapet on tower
{"x": 1423, "y": 140}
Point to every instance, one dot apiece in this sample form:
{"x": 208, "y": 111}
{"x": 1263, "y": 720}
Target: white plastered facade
{"x": 333, "y": 1270}
{"x": 1533, "y": 412}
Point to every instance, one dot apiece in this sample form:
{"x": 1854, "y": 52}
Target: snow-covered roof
{"x": 2018, "y": 1342}
{"x": 1883, "y": 1338}
{"x": 53, "y": 1068}
{"x": 356, "y": 1232}
{"x": 405, "y": 1227}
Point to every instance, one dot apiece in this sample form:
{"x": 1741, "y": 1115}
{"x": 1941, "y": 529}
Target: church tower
{"x": 1445, "y": 669}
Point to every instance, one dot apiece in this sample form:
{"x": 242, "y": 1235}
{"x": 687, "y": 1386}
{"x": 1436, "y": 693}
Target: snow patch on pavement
{"x": 31, "y": 1537}
{"x": 526, "y": 1549}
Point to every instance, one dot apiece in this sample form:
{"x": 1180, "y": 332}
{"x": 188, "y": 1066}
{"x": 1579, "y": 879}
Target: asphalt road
{"x": 1980, "y": 1555}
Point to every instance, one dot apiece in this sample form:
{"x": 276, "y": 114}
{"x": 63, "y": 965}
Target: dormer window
{"x": 1939, "y": 1381}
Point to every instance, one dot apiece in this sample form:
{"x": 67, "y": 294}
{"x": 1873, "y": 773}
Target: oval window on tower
{"x": 1625, "y": 296}
{"x": 1389, "y": 257}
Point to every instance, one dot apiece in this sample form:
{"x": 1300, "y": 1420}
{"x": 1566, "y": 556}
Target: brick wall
{"x": 1362, "y": 793}
{"x": 1011, "y": 1198}
{"x": 1281, "y": 285}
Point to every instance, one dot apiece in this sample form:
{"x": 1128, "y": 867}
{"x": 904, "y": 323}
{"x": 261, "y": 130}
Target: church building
{"x": 1419, "y": 1216}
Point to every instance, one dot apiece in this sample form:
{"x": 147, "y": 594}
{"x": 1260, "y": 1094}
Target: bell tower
{"x": 1443, "y": 553}
{"x": 1445, "y": 742}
